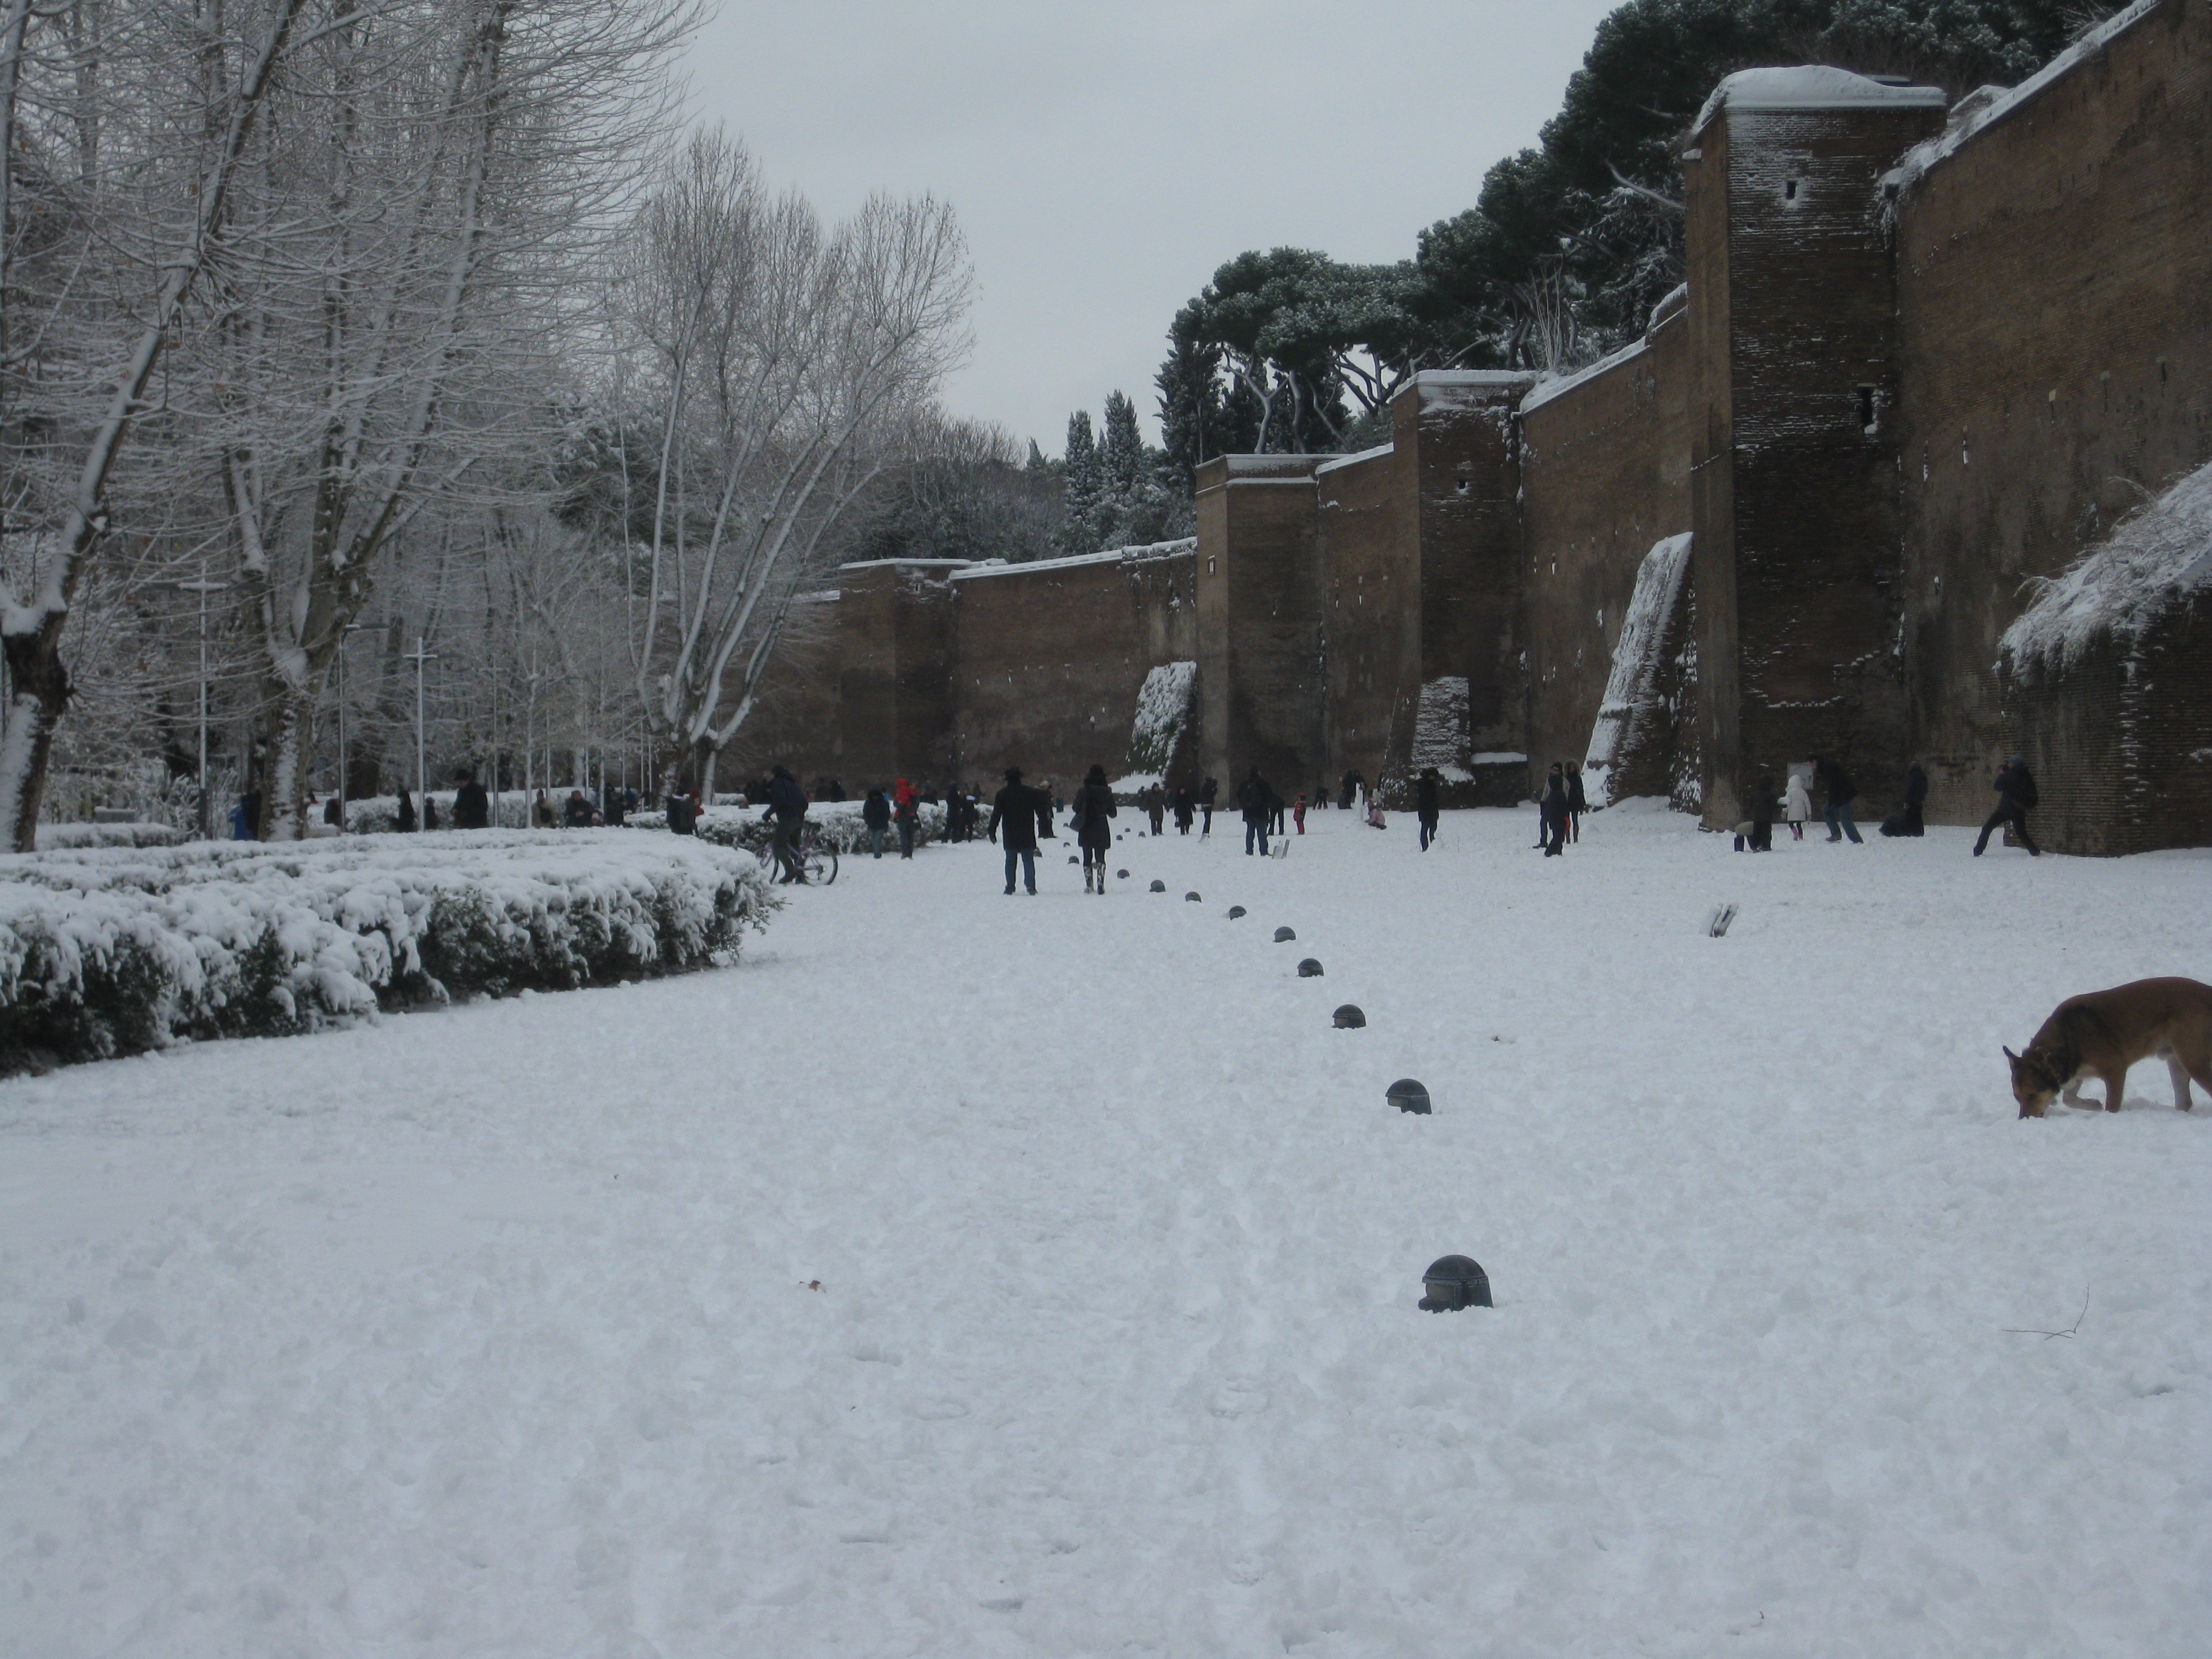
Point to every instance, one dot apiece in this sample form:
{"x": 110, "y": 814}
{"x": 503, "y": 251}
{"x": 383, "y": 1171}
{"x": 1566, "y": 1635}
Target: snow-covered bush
{"x": 108, "y": 952}
{"x": 839, "y": 824}
{"x": 56, "y": 836}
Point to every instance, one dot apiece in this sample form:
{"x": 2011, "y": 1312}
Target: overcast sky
{"x": 1105, "y": 158}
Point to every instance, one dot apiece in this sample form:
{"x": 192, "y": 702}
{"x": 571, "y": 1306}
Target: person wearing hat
{"x": 1020, "y": 810}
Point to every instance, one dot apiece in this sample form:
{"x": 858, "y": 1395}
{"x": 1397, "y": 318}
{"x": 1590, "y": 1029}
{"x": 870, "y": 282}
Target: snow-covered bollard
{"x": 1235, "y": 911}
{"x": 1285, "y": 935}
{"x": 1349, "y": 1017}
{"x": 1454, "y": 1282}
{"x": 1159, "y": 886}
{"x": 1408, "y": 1096}
{"x": 1309, "y": 969}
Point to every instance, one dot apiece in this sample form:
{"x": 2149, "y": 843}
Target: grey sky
{"x": 1105, "y": 158}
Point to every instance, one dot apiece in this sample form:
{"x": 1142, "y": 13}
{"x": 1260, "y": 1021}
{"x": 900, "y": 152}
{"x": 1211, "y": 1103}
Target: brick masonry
{"x": 1885, "y": 399}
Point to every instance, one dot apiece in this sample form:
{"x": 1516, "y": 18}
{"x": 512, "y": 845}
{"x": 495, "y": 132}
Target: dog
{"x": 2106, "y": 1032}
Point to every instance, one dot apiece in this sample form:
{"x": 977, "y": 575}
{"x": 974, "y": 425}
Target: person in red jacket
{"x": 905, "y": 812}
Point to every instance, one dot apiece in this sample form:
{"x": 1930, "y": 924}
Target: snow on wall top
{"x": 1675, "y": 299}
{"x": 1547, "y": 389}
{"x": 1448, "y": 388}
{"x": 1108, "y": 556}
{"x": 1975, "y": 113}
{"x": 908, "y": 564}
{"x": 1296, "y": 467}
{"x": 2161, "y": 554}
{"x": 1809, "y": 86}
{"x": 1354, "y": 460}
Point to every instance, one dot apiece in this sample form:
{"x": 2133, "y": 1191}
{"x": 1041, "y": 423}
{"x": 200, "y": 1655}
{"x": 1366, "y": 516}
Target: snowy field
{"x": 972, "y": 1275}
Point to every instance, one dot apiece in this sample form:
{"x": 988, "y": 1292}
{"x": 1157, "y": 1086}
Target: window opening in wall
{"x": 1866, "y": 410}
{"x": 1790, "y": 190}
{"x": 1462, "y": 486}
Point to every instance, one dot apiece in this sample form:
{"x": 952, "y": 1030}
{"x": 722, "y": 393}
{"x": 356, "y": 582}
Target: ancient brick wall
{"x": 1261, "y": 682}
{"x": 1460, "y": 430}
{"x": 894, "y": 682}
{"x": 1050, "y": 657}
{"x": 1813, "y": 386}
{"x": 1590, "y": 458}
{"x": 2054, "y": 328}
{"x": 799, "y": 720}
{"x": 1370, "y": 612}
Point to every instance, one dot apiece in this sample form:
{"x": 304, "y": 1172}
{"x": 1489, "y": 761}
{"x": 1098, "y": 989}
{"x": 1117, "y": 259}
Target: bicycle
{"x": 817, "y": 858}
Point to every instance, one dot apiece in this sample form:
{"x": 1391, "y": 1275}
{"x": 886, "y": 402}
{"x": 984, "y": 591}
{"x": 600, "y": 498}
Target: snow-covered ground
{"x": 496, "y": 1331}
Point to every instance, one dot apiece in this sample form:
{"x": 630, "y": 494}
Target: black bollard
{"x": 1350, "y": 1019}
{"x": 1454, "y": 1282}
{"x": 1408, "y": 1096}
{"x": 1309, "y": 969}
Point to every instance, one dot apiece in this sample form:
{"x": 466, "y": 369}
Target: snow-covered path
{"x": 493, "y": 1332}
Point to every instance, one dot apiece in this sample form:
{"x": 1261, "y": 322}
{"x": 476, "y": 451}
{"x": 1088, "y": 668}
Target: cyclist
{"x": 786, "y": 811}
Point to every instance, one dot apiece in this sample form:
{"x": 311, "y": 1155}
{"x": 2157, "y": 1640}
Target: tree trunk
{"x": 38, "y": 692}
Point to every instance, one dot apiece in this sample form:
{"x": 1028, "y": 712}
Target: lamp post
{"x": 344, "y": 778}
{"x": 203, "y": 587}
{"x": 419, "y": 656}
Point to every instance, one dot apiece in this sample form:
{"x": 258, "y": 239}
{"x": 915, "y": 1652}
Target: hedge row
{"x": 114, "y": 952}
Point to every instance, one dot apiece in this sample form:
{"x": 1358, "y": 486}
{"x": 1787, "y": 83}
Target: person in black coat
{"x": 576, "y": 813}
{"x": 1831, "y": 776}
{"x": 1908, "y": 820}
{"x": 1427, "y": 799}
{"x": 1019, "y": 812}
{"x": 1185, "y": 810}
{"x": 1256, "y": 799}
{"x": 683, "y": 816}
{"x": 471, "y": 806}
{"x": 2016, "y": 798}
{"x": 876, "y": 813}
{"x": 406, "y": 813}
{"x": 1578, "y": 802}
{"x": 1764, "y": 809}
{"x": 1554, "y": 809}
{"x": 1094, "y": 827}
{"x": 1208, "y": 793}
{"x": 786, "y": 812}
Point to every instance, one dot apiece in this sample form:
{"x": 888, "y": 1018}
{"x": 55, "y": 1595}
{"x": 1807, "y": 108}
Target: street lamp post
{"x": 203, "y": 587}
{"x": 419, "y": 656}
{"x": 344, "y": 778}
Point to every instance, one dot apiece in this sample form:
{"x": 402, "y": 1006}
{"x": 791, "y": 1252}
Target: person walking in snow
{"x": 876, "y": 813}
{"x": 1796, "y": 806}
{"x": 1554, "y": 805}
{"x": 1185, "y": 810}
{"x": 2016, "y": 798}
{"x": 1829, "y": 774}
{"x": 1299, "y": 812}
{"x": 1208, "y": 793}
{"x": 1578, "y": 802}
{"x": 1020, "y": 811}
{"x": 1276, "y": 807}
{"x": 683, "y": 816}
{"x": 1756, "y": 833}
{"x": 406, "y": 816}
{"x": 1094, "y": 827}
{"x": 1353, "y": 781}
{"x": 905, "y": 812}
{"x": 786, "y": 812}
{"x": 429, "y": 810}
{"x": 1254, "y": 798}
{"x": 471, "y": 806}
{"x": 1427, "y": 802}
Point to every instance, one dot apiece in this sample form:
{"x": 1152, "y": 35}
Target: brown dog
{"x": 2106, "y": 1032}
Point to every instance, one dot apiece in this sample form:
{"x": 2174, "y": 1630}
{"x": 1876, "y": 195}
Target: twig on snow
{"x": 2046, "y": 1335}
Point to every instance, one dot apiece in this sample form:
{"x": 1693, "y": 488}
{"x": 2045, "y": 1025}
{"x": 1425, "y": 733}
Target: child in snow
{"x": 1299, "y": 814}
{"x": 1797, "y": 805}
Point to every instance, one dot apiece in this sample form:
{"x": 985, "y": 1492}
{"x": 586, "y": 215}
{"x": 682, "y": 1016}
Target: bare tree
{"x": 788, "y": 359}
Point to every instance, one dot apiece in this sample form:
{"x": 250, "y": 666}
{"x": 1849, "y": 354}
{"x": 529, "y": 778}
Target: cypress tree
{"x": 1084, "y": 481}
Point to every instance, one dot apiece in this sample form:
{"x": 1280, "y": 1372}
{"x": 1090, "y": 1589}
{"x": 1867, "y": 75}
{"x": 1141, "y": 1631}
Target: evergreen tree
{"x": 1121, "y": 456}
{"x": 1084, "y": 482}
{"x": 1190, "y": 387}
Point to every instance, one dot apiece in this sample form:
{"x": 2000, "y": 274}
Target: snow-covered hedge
{"x": 108, "y": 952}
{"x": 54, "y": 837}
{"x": 747, "y": 827}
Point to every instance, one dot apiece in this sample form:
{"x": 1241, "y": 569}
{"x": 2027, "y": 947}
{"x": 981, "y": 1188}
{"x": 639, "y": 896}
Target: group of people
{"x": 2014, "y": 785}
{"x": 1560, "y": 808}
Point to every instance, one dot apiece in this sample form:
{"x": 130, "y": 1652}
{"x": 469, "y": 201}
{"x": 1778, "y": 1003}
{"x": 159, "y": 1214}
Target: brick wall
{"x": 2054, "y": 328}
{"x": 1050, "y": 657}
{"x": 1260, "y": 675}
{"x": 894, "y": 656}
{"x": 799, "y": 720}
{"x": 1590, "y": 460}
{"x": 1371, "y": 612}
